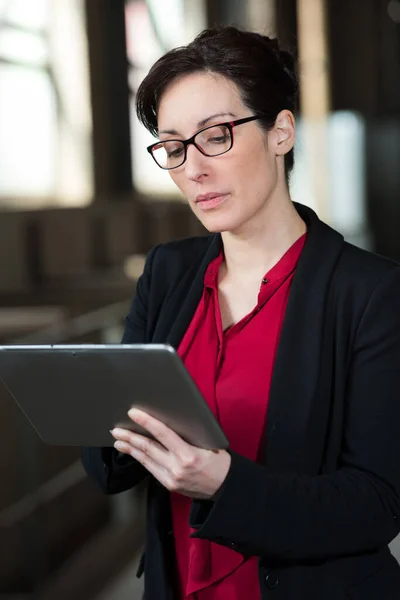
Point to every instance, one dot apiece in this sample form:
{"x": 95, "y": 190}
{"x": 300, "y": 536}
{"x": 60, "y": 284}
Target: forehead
{"x": 192, "y": 98}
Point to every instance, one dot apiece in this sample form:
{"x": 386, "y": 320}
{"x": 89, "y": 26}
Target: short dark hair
{"x": 264, "y": 74}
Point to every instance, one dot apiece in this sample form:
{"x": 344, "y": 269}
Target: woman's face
{"x": 229, "y": 191}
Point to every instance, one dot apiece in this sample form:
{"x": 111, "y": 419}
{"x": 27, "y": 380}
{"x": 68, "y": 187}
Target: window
{"x": 153, "y": 28}
{"x": 45, "y": 121}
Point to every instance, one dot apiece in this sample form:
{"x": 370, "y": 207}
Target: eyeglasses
{"x": 210, "y": 141}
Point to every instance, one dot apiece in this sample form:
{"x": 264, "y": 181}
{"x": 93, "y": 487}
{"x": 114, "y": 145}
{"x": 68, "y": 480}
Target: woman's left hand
{"x": 177, "y": 465}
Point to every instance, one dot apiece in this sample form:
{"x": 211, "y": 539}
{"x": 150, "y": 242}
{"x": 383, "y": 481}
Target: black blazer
{"x": 322, "y": 509}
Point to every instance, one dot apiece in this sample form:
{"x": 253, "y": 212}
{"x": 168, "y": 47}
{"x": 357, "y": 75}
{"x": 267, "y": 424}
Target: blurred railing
{"x": 54, "y": 509}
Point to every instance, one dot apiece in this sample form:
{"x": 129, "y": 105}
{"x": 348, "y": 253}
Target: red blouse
{"x": 233, "y": 370}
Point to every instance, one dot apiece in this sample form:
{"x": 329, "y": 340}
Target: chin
{"x": 219, "y": 225}
{"x": 221, "y": 219}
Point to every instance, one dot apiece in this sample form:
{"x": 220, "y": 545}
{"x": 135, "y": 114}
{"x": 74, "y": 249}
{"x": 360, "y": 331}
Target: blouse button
{"x": 264, "y": 280}
{"x": 271, "y": 580}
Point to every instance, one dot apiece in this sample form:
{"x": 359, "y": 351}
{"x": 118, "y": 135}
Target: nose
{"x": 196, "y": 164}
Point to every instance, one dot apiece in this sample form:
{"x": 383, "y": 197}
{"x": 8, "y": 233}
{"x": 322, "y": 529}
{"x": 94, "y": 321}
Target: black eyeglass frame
{"x": 229, "y": 124}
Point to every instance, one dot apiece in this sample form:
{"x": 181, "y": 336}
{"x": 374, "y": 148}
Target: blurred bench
{"x": 49, "y": 510}
{"x": 20, "y": 321}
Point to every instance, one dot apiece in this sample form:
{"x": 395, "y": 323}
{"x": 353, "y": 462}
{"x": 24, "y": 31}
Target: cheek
{"x": 173, "y": 177}
{"x": 253, "y": 160}
{"x": 179, "y": 181}
{"x": 253, "y": 172}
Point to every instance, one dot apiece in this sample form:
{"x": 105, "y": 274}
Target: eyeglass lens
{"x": 212, "y": 141}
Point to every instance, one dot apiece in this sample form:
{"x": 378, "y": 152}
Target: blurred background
{"x": 81, "y": 202}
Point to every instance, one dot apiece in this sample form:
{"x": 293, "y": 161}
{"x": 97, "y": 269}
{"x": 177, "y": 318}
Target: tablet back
{"x": 74, "y": 394}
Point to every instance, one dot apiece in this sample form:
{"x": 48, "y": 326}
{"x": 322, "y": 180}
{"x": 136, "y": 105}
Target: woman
{"x": 291, "y": 334}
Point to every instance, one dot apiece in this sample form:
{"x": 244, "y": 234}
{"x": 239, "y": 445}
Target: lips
{"x": 209, "y": 196}
{"x": 210, "y": 200}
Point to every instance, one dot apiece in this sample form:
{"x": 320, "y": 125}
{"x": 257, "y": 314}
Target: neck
{"x": 260, "y": 244}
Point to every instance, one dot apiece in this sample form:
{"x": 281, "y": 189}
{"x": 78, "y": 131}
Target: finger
{"x": 161, "y": 432}
{"x": 122, "y": 434}
{"x": 141, "y": 443}
{"x": 123, "y": 447}
{"x": 145, "y": 453}
{"x": 157, "y": 469}
{"x": 118, "y": 432}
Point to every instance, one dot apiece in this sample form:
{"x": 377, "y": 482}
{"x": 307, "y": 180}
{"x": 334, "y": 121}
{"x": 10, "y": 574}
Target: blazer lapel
{"x": 298, "y": 364}
{"x": 181, "y": 306}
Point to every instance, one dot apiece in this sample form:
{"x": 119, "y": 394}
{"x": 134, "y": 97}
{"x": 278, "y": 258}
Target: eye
{"x": 173, "y": 149}
{"x": 215, "y": 136}
{"x": 217, "y": 139}
{"x": 175, "y": 153}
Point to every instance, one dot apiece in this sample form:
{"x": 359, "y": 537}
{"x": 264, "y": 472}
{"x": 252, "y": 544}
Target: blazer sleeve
{"x": 353, "y": 510}
{"x": 113, "y": 471}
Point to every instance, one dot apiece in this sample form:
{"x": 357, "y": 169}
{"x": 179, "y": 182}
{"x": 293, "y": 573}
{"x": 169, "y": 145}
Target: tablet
{"x": 74, "y": 394}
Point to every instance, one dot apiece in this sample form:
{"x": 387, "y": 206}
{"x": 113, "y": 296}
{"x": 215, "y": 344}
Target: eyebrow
{"x": 201, "y": 123}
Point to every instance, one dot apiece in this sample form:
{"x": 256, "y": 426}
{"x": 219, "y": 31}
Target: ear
{"x": 284, "y": 132}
